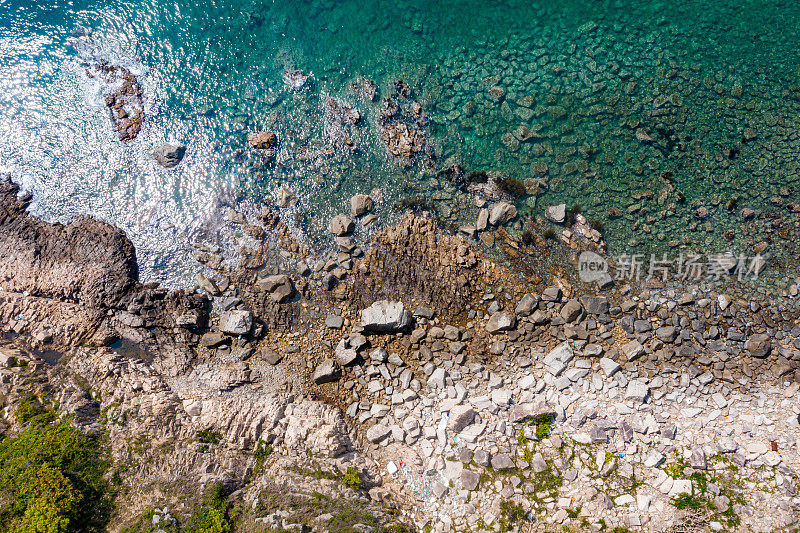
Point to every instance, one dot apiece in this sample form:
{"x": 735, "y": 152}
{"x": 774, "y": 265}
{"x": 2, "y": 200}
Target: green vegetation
{"x": 304, "y": 508}
{"x": 32, "y": 410}
{"x": 213, "y": 515}
{"x": 510, "y": 514}
{"x": 52, "y": 477}
{"x": 262, "y": 452}
{"x": 699, "y": 499}
{"x": 347, "y": 517}
{"x": 352, "y": 478}
{"x": 543, "y": 425}
{"x": 208, "y": 436}
{"x": 145, "y": 524}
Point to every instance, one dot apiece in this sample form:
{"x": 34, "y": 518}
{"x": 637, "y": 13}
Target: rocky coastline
{"x": 402, "y": 381}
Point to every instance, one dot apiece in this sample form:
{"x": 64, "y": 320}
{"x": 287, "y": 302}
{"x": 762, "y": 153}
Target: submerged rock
{"x": 502, "y": 213}
{"x": 556, "y": 213}
{"x": 262, "y": 140}
{"x": 296, "y": 79}
{"x": 169, "y": 155}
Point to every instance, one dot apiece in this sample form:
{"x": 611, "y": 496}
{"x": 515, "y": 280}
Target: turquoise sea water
{"x": 583, "y": 76}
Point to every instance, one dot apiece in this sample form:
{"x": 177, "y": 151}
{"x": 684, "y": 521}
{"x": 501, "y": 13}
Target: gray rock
{"x": 556, "y": 361}
{"x": 595, "y": 305}
{"x": 341, "y": 225}
{"x": 552, "y": 294}
{"x": 556, "y": 213}
{"x": 206, "y": 284}
{"x": 758, "y": 345}
{"x": 538, "y": 464}
{"x": 326, "y": 372}
{"x": 526, "y": 305}
{"x": 236, "y": 322}
{"x": 377, "y": 433}
{"x": 483, "y": 220}
{"x": 344, "y": 354}
{"x": 334, "y": 322}
{"x": 438, "y": 379}
{"x": 698, "y": 458}
{"x": 469, "y": 479}
{"x": 212, "y": 340}
{"x": 461, "y": 416}
{"x": 668, "y": 431}
{"x": 598, "y": 434}
{"x": 667, "y": 334}
{"x": 482, "y": 457}
{"x": 439, "y": 490}
{"x": 632, "y": 350}
{"x": 385, "y": 317}
{"x": 502, "y": 461}
{"x": 279, "y": 286}
{"x": 270, "y": 356}
{"x": 501, "y": 321}
{"x": 502, "y": 213}
{"x": 169, "y": 155}
{"x": 571, "y": 311}
{"x": 361, "y": 204}
{"x": 609, "y": 366}
{"x": 424, "y": 312}
{"x": 637, "y": 391}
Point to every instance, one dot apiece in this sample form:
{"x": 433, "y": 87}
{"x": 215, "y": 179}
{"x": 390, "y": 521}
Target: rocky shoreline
{"x": 406, "y": 376}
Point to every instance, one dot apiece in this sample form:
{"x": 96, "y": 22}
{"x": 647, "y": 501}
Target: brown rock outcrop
{"x": 86, "y": 261}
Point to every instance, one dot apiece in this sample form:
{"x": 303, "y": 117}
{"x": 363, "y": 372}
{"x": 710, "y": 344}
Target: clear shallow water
{"x": 583, "y": 75}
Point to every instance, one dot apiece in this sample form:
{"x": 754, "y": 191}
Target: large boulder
{"x": 169, "y": 155}
{"x": 571, "y": 311}
{"x": 556, "y": 213}
{"x": 461, "y": 416}
{"x": 384, "y": 316}
{"x": 279, "y": 286}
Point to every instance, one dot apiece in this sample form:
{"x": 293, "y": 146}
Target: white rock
{"x": 385, "y": 317}
{"x": 556, "y": 361}
{"x": 637, "y": 391}
{"x": 609, "y": 366}
{"x": 679, "y": 486}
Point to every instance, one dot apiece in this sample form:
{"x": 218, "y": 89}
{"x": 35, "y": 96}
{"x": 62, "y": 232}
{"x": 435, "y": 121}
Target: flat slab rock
{"x": 385, "y": 317}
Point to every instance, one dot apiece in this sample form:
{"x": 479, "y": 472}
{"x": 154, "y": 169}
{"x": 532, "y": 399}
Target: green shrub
{"x": 32, "y": 410}
{"x": 52, "y": 481}
{"x": 352, "y": 478}
{"x": 212, "y": 516}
